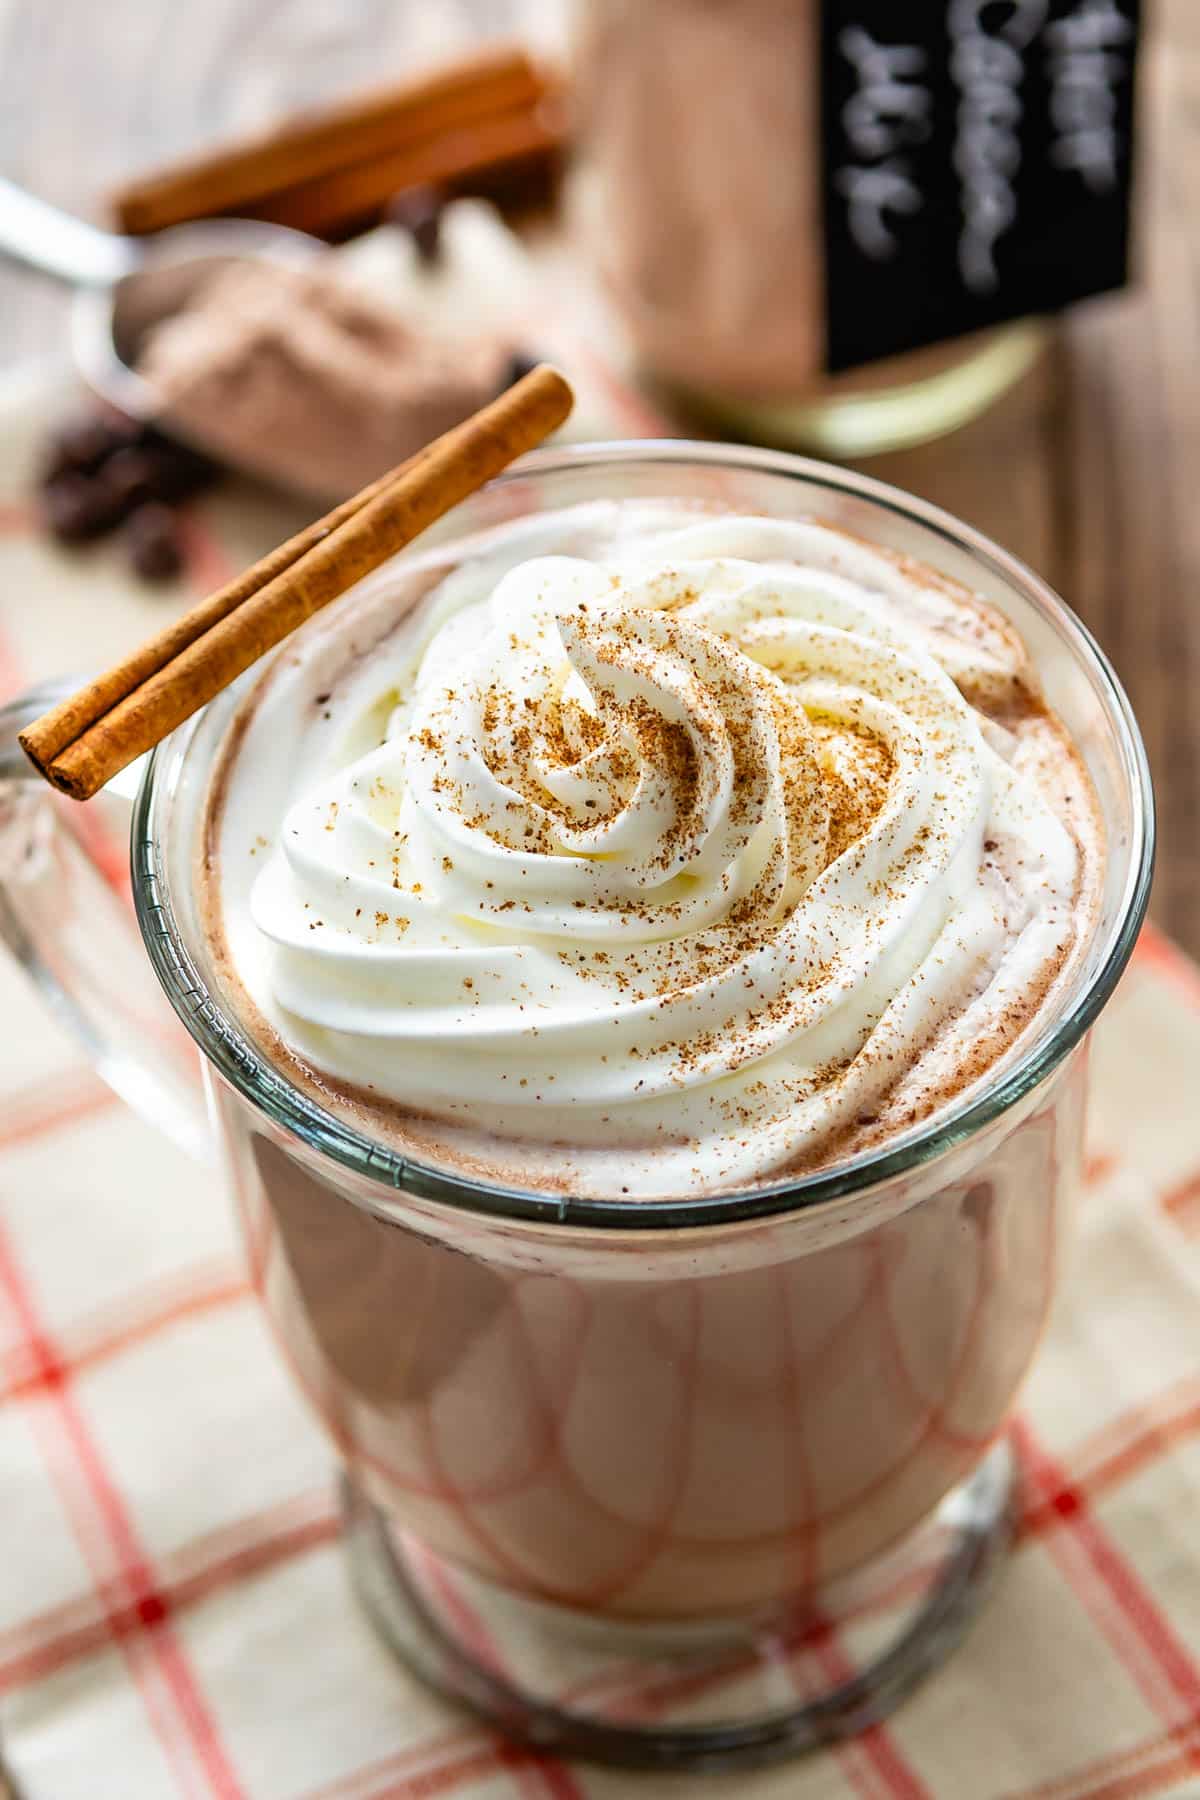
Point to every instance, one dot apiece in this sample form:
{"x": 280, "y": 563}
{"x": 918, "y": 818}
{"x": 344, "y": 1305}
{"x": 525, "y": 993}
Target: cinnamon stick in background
{"x": 238, "y": 179}
{"x": 82, "y": 744}
{"x": 356, "y": 196}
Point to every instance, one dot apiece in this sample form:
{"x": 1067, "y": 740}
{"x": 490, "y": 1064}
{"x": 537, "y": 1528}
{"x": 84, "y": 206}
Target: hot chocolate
{"x": 632, "y": 852}
{"x": 649, "y": 852}
{"x": 643, "y": 945}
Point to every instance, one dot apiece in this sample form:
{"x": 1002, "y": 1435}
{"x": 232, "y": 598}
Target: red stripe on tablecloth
{"x": 1117, "y": 1452}
{"x": 1173, "y": 1768}
{"x": 12, "y": 675}
{"x": 1099, "y": 1166}
{"x": 1156, "y": 951}
{"x": 1119, "y": 1604}
{"x": 126, "y": 1619}
{"x": 117, "y": 1528}
{"x": 1151, "y": 1418}
{"x": 450, "y": 1760}
{"x": 206, "y": 562}
{"x": 263, "y": 1541}
{"x": 1183, "y": 1197}
{"x": 1120, "y": 1451}
{"x": 245, "y": 1547}
{"x": 886, "y": 1770}
{"x": 545, "y": 1774}
{"x": 1145, "y": 1768}
{"x": 44, "y": 1106}
{"x": 871, "y": 1764}
{"x": 425, "y": 1757}
{"x": 138, "y": 1317}
{"x": 283, "y": 1542}
{"x": 107, "y": 848}
{"x": 469, "y": 1765}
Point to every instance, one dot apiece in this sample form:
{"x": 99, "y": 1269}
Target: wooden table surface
{"x": 1090, "y": 471}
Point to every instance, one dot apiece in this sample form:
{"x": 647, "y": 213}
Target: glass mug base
{"x": 705, "y": 1695}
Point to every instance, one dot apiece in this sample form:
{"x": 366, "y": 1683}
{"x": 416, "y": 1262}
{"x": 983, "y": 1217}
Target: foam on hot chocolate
{"x": 648, "y": 851}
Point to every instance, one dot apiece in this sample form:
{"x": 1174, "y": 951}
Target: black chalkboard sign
{"x": 977, "y": 163}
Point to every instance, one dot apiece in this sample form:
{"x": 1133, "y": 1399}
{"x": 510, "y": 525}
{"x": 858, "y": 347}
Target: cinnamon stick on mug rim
{"x": 80, "y": 745}
{"x": 238, "y": 177}
{"x": 55, "y": 730}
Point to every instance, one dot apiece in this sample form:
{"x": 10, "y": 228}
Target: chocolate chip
{"x": 174, "y": 471}
{"x": 418, "y": 210}
{"x": 81, "y": 445}
{"x": 152, "y": 535}
{"x": 100, "y": 466}
{"x": 76, "y": 508}
{"x": 520, "y": 364}
{"x": 128, "y": 478}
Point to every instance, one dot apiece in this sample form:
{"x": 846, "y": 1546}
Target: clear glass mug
{"x": 673, "y": 1483}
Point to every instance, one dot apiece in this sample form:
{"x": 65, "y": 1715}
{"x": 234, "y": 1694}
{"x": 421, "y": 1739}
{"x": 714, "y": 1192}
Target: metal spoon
{"x": 126, "y": 285}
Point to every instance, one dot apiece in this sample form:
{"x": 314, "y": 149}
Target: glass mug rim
{"x": 238, "y": 1059}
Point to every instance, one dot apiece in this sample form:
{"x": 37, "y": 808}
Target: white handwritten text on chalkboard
{"x": 958, "y": 146}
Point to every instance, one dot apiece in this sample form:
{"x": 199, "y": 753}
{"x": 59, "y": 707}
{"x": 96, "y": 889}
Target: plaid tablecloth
{"x": 175, "y": 1618}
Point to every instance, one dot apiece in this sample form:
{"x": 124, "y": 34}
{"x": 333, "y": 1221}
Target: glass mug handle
{"x": 73, "y": 932}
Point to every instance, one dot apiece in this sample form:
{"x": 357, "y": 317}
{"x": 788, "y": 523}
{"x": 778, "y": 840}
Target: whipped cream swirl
{"x": 674, "y": 858}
